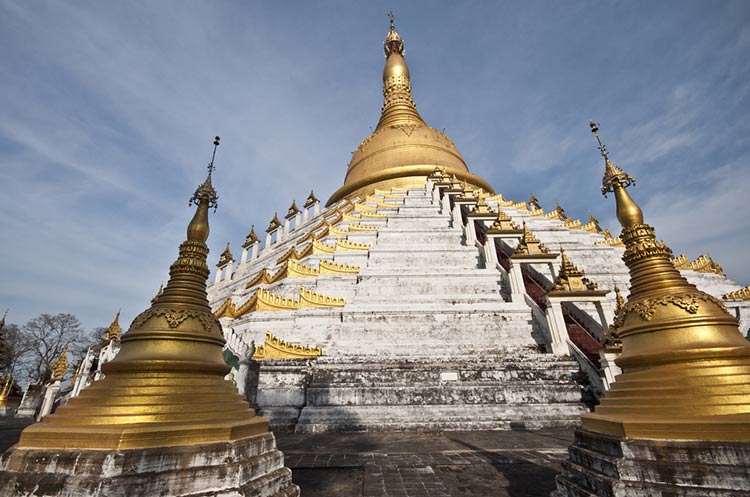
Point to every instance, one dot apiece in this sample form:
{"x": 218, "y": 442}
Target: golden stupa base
{"x": 247, "y": 467}
{"x": 601, "y": 465}
{"x": 734, "y": 427}
{"x": 149, "y": 409}
{"x": 402, "y": 178}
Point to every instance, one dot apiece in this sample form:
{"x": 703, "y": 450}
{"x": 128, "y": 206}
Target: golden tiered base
{"x": 698, "y": 400}
{"x": 155, "y": 409}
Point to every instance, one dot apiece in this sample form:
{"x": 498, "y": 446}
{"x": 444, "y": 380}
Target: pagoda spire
{"x": 673, "y": 337}
{"x": 398, "y": 104}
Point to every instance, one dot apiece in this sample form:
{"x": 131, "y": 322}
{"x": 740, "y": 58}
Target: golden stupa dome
{"x": 403, "y": 150}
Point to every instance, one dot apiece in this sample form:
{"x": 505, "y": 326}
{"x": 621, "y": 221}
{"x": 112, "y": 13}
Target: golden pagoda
{"x": 685, "y": 364}
{"x": 166, "y": 386}
{"x": 403, "y": 150}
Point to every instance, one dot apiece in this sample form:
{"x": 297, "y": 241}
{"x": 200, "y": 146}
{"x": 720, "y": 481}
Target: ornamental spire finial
{"x": 616, "y": 180}
{"x": 393, "y": 42}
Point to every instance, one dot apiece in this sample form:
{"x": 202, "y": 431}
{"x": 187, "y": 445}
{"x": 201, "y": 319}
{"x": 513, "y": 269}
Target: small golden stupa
{"x": 166, "y": 386}
{"x": 686, "y": 367}
{"x": 403, "y": 150}
{"x": 114, "y": 329}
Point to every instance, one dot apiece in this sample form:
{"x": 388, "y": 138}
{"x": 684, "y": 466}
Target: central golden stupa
{"x": 403, "y": 150}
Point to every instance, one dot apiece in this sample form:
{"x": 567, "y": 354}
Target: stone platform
{"x": 604, "y": 466}
{"x": 248, "y": 467}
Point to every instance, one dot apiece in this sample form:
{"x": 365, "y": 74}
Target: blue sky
{"x": 107, "y": 112}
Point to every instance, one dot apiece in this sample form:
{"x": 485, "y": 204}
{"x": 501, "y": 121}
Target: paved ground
{"x": 450, "y": 464}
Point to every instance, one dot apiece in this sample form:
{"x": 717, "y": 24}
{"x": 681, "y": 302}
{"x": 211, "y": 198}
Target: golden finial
{"x": 158, "y": 293}
{"x": 114, "y": 329}
{"x": 60, "y": 367}
{"x": 204, "y": 197}
{"x": 616, "y": 180}
{"x": 393, "y": 42}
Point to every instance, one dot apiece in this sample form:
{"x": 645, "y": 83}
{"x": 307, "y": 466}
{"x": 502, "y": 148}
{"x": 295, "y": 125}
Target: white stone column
{"x": 297, "y": 220}
{"x": 218, "y": 275}
{"x": 552, "y": 269}
{"x": 243, "y": 259}
{"x": 446, "y": 205}
{"x": 229, "y": 271}
{"x": 316, "y": 209}
{"x": 490, "y": 253}
{"x": 517, "y": 288}
{"x": 254, "y": 253}
{"x": 557, "y": 328}
{"x": 50, "y": 393}
{"x": 457, "y": 221}
{"x": 470, "y": 229}
{"x": 304, "y": 214}
{"x": 605, "y": 313}
{"x": 268, "y": 238}
{"x": 287, "y": 226}
{"x": 611, "y": 370}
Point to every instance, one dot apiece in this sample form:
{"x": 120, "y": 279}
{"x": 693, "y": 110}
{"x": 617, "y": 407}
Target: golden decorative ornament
{"x": 322, "y": 248}
{"x": 403, "y": 150}
{"x": 529, "y": 244}
{"x": 274, "y": 224}
{"x": 251, "y": 238}
{"x": 328, "y": 267}
{"x": 292, "y": 212}
{"x": 741, "y": 294}
{"x": 362, "y": 227}
{"x": 114, "y": 330}
{"x": 60, "y": 367}
{"x": 226, "y": 257}
{"x": 311, "y": 200}
{"x": 308, "y": 298}
{"x": 276, "y": 348}
{"x": 347, "y": 245}
{"x": 504, "y": 224}
{"x": 533, "y": 202}
{"x": 571, "y": 280}
{"x": 685, "y": 364}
